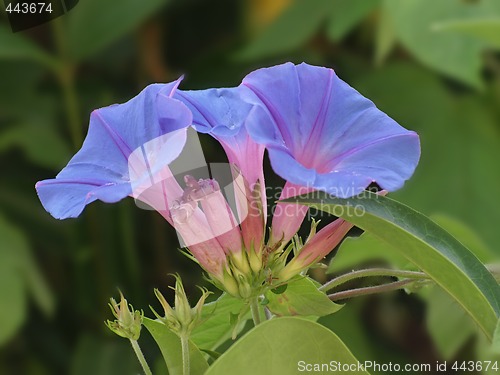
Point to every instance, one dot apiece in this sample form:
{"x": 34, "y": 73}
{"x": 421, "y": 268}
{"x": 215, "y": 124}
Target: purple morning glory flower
{"x": 321, "y": 133}
{"x": 101, "y": 169}
{"x": 222, "y": 114}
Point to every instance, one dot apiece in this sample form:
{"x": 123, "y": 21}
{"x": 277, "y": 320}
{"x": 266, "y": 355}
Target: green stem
{"x": 372, "y": 272}
{"x": 185, "y": 354}
{"x": 396, "y": 285}
{"x": 254, "y": 308}
{"x": 66, "y": 75}
{"x": 140, "y": 357}
{"x": 71, "y": 104}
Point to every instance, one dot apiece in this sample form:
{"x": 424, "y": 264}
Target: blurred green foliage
{"x": 433, "y": 66}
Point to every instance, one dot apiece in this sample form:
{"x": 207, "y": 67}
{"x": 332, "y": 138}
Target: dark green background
{"x": 56, "y": 277}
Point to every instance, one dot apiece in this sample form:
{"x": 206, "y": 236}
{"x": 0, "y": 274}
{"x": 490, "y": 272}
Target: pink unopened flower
{"x": 319, "y": 246}
{"x": 219, "y": 215}
{"x": 288, "y": 217}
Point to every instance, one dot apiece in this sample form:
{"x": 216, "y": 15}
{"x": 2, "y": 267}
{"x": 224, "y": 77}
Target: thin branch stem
{"x": 185, "y": 354}
{"x": 371, "y": 290}
{"x": 254, "y": 308}
{"x": 371, "y": 272}
{"x": 140, "y": 357}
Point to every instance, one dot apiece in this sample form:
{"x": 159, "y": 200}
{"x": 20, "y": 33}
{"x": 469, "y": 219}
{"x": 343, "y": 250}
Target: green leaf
{"x": 280, "y": 346}
{"x": 485, "y": 29}
{"x": 100, "y": 357}
{"x": 346, "y": 14}
{"x": 218, "y": 326}
{"x": 303, "y": 298}
{"x": 12, "y": 301}
{"x": 455, "y": 55}
{"x": 294, "y": 27}
{"x": 170, "y": 346}
{"x": 18, "y": 275}
{"x": 14, "y": 46}
{"x": 449, "y": 263}
{"x": 94, "y": 24}
{"x": 447, "y": 323}
{"x": 367, "y": 248}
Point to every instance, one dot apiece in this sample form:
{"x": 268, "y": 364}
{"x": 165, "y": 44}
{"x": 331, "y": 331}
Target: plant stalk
{"x": 372, "y": 272}
{"x": 66, "y": 76}
{"x": 140, "y": 357}
{"x": 254, "y": 308}
{"x": 396, "y": 285}
{"x": 185, "y": 354}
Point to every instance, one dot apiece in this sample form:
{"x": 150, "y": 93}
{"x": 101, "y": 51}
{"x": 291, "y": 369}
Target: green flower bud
{"x": 229, "y": 284}
{"x": 128, "y": 321}
{"x": 181, "y": 319}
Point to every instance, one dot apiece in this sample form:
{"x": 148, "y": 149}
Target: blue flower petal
{"x": 316, "y": 125}
{"x": 222, "y": 114}
{"x": 100, "y": 170}
{"x": 219, "y": 112}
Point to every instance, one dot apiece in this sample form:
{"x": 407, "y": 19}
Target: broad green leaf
{"x": 283, "y": 346}
{"x": 104, "y": 357}
{"x": 170, "y": 346}
{"x": 367, "y": 248}
{"x": 303, "y": 298}
{"x": 94, "y": 24}
{"x": 486, "y": 29}
{"x": 346, "y": 14}
{"x": 455, "y": 55}
{"x": 449, "y": 263}
{"x": 14, "y": 46}
{"x": 447, "y": 323}
{"x": 460, "y": 140}
{"x": 217, "y": 327}
{"x": 294, "y": 27}
{"x": 355, "y": 251}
